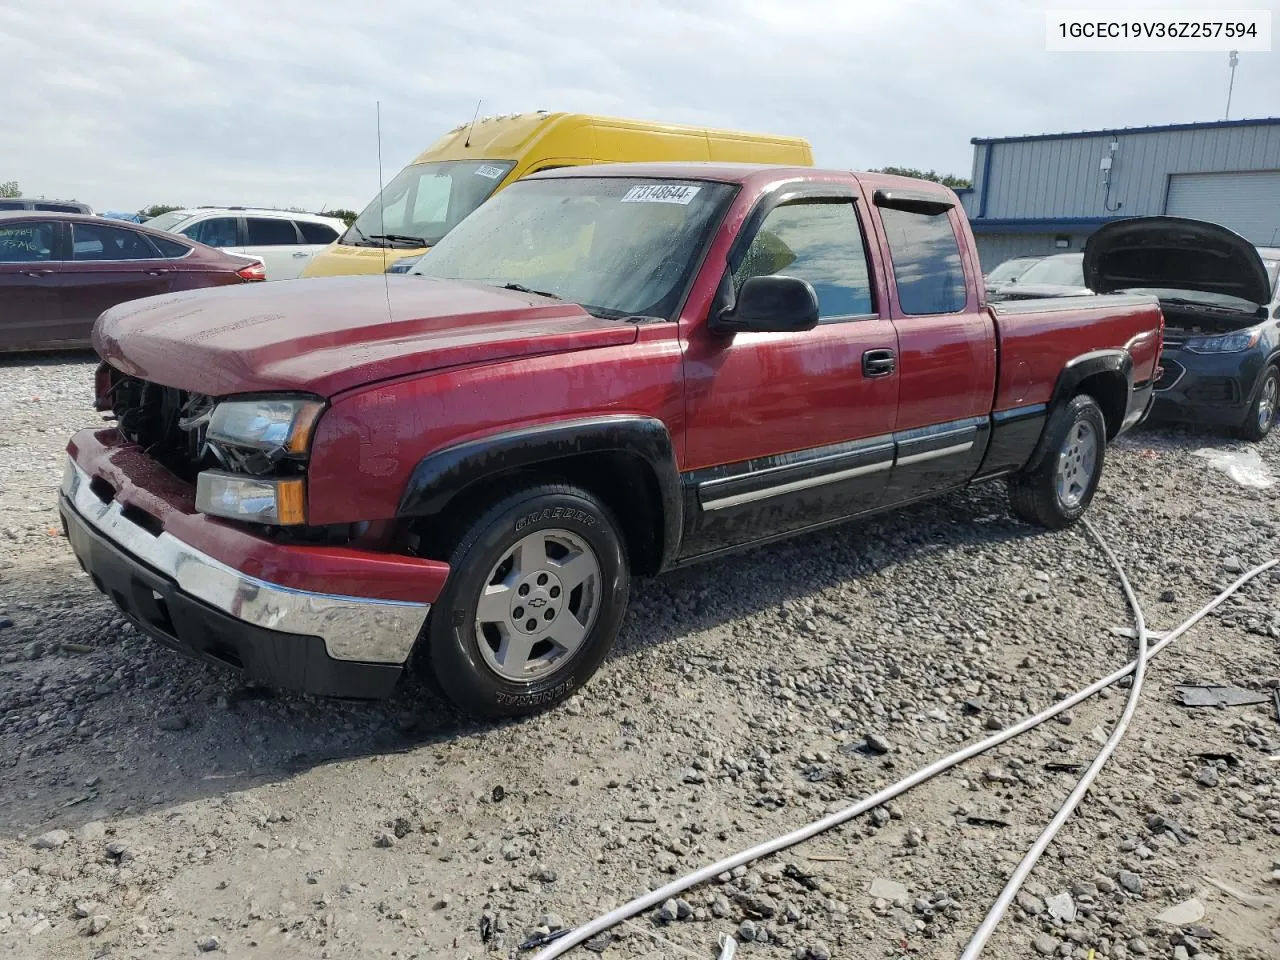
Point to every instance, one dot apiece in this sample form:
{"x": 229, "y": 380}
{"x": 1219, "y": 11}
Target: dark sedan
{"x": 59, "y": 271}
{"x": 1221, "y": 301}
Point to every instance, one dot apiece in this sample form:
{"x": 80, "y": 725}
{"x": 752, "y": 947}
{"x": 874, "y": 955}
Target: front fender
{"x": 442, "y": 475}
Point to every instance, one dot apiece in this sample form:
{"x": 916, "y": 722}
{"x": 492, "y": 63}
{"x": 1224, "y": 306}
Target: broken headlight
{"x": 274, "y": 427}
{"x": 1230, "y": 343}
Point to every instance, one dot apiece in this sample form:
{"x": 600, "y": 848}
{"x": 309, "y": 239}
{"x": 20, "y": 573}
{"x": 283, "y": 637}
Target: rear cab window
{"x": 925, "y": 256}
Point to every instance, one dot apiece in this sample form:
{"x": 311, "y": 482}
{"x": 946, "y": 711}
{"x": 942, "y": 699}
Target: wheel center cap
{"x": 537, "y": 602}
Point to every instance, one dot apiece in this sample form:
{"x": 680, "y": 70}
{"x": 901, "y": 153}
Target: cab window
{"x": 818, "y": 241}
{"x": 926, "y": 261}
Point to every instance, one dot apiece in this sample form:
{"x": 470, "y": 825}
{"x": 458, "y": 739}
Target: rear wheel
{"x": 1057, "y": 492}
{"x": 1262, "y": 412}
{"x": 538, "y": 588}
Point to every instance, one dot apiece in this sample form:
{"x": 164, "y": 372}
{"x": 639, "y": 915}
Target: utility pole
{"x": 1233, "y": 59}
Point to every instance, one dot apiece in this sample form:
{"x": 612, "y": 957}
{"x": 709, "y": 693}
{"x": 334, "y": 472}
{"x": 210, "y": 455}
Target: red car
{"x": 603, "y": 372}
{"x": 59, "y": 271}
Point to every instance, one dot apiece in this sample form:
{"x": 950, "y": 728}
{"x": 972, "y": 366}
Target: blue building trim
{"x": 986, "y": 182}
{"x": 1039, "y": 224}
{"x": 1163, "y": 128}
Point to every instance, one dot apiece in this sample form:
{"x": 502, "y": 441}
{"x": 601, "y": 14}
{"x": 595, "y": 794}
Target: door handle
{"x": 878, "y": 363}
{"x": 37, "y": 273}
{"x": 302, "y": 253}
{"x": 158, "y": 272}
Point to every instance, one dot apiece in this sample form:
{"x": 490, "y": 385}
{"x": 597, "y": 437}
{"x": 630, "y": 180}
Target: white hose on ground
{"x": 654, "y": 898}
{"x": 1023, "y": 870}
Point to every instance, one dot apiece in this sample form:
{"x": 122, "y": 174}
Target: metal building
{"x": 1046, "y": 194}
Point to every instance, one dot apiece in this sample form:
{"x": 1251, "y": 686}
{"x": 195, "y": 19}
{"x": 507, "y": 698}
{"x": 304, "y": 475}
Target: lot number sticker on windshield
{"x": 661, "y": 193}
{"x": 493, "y": 173}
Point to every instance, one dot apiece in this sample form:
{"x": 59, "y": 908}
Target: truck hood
{"x": 1174, "y": 253}
{"x": 329, "y": 335}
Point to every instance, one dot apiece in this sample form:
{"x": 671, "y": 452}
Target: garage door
{"x": 1248, "y": 203}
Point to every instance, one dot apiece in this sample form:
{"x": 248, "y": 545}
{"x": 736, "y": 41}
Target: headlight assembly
{"x": 1230, "y": 343}
{"x": 278, "y": 426}
{"x": 254, "y": 499}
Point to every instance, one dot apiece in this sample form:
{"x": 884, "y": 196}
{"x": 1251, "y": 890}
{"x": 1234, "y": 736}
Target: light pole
{"x": 1233, "y": 59}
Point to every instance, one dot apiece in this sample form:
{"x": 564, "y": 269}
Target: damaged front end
{"x": 1215, "y": 290}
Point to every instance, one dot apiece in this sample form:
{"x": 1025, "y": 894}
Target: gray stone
{"x": 1032, "y": 904}
{"x": 1180, "y": 953}
{"x": 721, "y": 908}
{"x": 1130, "y": 881}
{"x": 747, "y": 931}
{"x": 818, "y": 951}
{"x": 877, "y": 743}
{"x": 98, "y": 924}
{"x": 684, "y": 909}
{"x": 52, "y": 840}
{"x": 1045, "y": 944}
{"x": 209, "y": 944}
{"x": 1061, "y": 907}
{"x": 1207, "y": 777}
{"x": 1138, "y": 946}
{"x": 385, "y": 839}
{"x": 1233, "y": 564}
{"x": 551, "y": 921}
{"x": 93, "y": 832}
{"x": 1181, "y": 914}
{"x": 883, "y": 889}
{"x": 174, "y": 722}
{"x": 668, "y": 912}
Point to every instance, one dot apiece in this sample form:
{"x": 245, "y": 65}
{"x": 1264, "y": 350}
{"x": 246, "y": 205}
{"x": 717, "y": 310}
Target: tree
{"x": 10, "y": 188}
{"x": 946, "y": 179}
{"x": 156, "y": 209}
{"x": 346, "y": 216}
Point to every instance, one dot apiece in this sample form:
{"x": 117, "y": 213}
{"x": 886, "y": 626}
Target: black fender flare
{"x": 1076, "y": 371}
{"x": 441, "y": 475}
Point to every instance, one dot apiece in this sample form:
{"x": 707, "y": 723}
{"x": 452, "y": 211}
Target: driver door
{"x": 789, "y": 430}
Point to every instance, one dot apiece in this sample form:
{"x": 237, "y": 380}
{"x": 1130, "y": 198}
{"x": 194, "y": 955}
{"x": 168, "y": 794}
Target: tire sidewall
{"x": 454, "y": 648}
{"x": 1081, "y": 408}
{"x": 1252, "y": 429}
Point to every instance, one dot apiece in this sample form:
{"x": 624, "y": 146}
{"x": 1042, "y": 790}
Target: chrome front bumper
{"x": 352, "y": 628}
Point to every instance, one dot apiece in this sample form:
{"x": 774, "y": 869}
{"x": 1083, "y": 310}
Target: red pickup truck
{"x": 601, "y": 373}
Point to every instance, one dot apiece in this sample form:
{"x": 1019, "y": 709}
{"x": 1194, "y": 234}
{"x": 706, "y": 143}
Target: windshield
{"x": 619, "y": 246}
{"x": 1065, "y": 271}
{"x": 167, "y": 221}
{"x": 1273, "y": 271}
{"x": 1008, "y": 270}
{"x": 425, "y": 201}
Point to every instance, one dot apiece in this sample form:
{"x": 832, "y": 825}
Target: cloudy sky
{"x": 271, "y": 102}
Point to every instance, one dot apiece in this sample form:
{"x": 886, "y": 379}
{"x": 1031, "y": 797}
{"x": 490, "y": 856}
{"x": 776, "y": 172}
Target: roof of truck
{"x": 737, "y": 173}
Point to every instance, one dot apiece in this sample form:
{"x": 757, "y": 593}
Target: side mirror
{"x": 771, "y": 304}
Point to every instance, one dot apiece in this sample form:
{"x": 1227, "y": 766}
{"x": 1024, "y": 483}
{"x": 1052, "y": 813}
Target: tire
{"x": 1262, "y": 412}
{"x": 537, "y": 640}
{"x": 1057, "y": 492}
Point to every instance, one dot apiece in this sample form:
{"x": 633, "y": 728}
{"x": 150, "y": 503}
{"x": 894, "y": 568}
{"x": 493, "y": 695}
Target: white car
{"x": 283, "y": 240}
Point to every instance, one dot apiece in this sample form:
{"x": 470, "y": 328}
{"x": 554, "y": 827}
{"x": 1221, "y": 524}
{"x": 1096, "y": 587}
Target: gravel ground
{"x": 153, "y": 806}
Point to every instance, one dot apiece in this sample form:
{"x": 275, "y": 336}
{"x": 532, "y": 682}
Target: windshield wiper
{"x": 399, "y": 238}
{"x": 521, "y": 288}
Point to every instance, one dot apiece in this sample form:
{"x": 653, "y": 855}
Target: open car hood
{"x": 1175, "y": 253}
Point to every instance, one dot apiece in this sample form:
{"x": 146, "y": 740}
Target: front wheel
{"x": 538, "y": 588}
{"x": 1262, "y": 412}
{"x": 1057, "y": 493}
